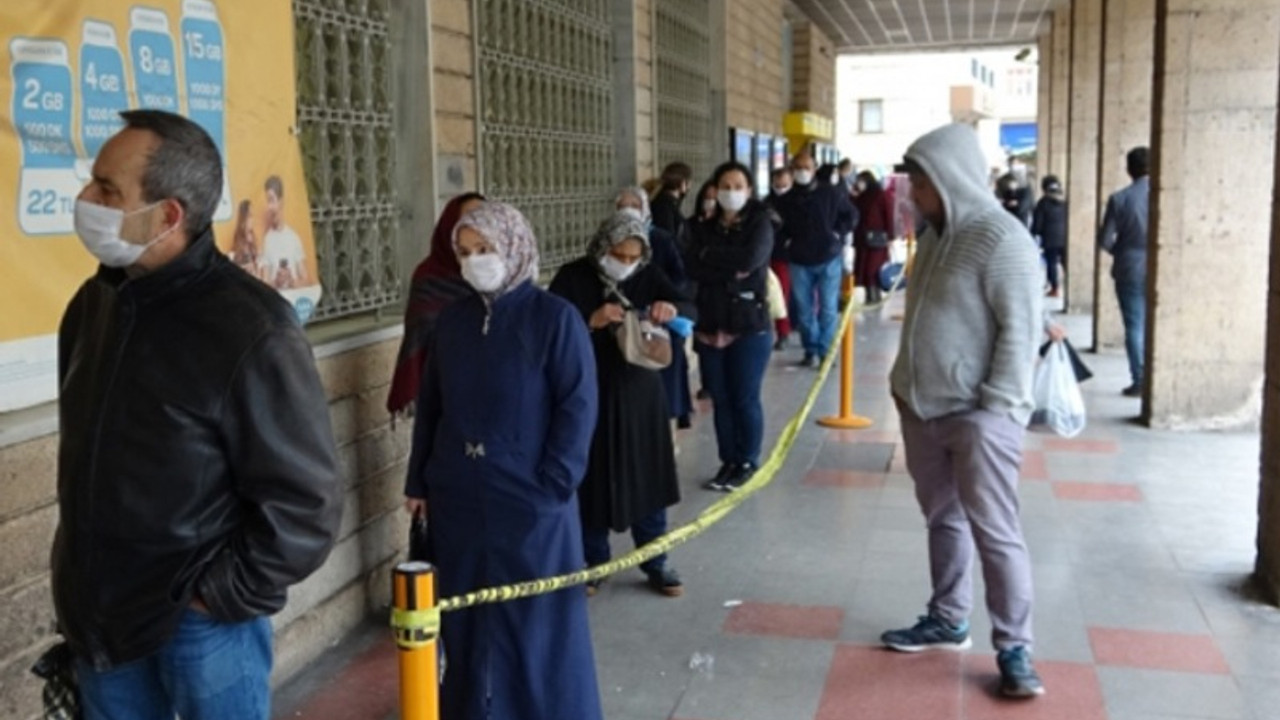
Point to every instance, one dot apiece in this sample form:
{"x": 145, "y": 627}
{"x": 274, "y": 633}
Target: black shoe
{"x": 1134, "y": 390}
{"x": 779, "y": 344}
{"x": 722, "y": 476}
{"x": 703, "y": 394}
{"x": 809, "y": 361}
{"x": 665, "y": 581}
{"x": 741, "y": 474}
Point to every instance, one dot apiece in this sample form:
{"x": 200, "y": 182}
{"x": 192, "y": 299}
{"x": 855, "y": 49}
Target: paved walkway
{"x": 1141, "y": 540}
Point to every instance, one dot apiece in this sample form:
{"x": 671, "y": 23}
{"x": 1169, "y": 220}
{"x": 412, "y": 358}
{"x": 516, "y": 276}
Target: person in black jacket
{"x": 816, "y": 216}
{"x": 666, "y": 204}
{"x": 197, "y": 475}
{"x": 729, "y": 261}
{"x": 1049, "y": 224}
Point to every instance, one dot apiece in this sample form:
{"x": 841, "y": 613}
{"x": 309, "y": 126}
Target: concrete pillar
{"x": 1213, "y": 131}
{"x": 1044, "y": 99}
{"x": 1127, "y": 61}
{"x": 1268, "y": 567}
{"x": 1060, "y": 96}
{"x": 1082, "y": 185}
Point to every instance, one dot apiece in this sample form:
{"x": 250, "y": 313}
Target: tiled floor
{"x": 1142, "y": 541}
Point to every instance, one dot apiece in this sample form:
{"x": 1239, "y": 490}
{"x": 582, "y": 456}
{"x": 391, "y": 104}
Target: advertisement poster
{"x": 71, "y": 67}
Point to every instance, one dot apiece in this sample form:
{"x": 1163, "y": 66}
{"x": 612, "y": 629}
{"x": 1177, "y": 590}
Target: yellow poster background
{"x": 40, "y": 273}
{"x": 40, "y": 270}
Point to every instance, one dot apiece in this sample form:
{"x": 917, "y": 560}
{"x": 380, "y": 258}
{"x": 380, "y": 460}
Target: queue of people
{"x": 542, "y": 419}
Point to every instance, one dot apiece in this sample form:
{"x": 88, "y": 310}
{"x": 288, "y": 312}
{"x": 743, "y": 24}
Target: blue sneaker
{"x": 929, "y": 633}
{"x": 1018, "y": 679}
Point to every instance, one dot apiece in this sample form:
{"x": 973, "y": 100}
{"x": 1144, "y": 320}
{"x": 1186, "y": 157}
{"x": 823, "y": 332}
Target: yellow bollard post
{"x": 416, "y": 623}
{"x": 846, "y": 420}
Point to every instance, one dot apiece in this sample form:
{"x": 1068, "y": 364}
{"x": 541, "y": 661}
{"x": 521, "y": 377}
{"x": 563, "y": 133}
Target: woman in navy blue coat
{"x": 500, "y": 444}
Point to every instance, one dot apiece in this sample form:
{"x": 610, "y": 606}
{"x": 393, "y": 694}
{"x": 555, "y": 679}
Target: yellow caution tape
{"x": 415, "y": 629}
{"x": 712, "y": 515}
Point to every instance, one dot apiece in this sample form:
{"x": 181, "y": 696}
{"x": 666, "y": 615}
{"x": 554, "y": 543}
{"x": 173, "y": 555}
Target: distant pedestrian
{"x": 1049, "y": 225}
{"x": 1124, "y": 235}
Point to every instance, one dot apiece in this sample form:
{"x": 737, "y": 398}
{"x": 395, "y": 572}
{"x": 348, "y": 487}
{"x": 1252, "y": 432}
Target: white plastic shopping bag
{"x": 1059, "y": 404}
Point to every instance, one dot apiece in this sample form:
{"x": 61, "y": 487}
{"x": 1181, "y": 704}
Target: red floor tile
{"x": 368, "y": 688}
{"x": 849, "y": 479}
{"x": 1077, "y": 445}
{"x": 1157, "y": 651}
{"x": 806, "y": 622}
{"x": 1034, "y": 466}
{"x": 867, "y": 683}
{"x": 1072, "y": 692}
{"x": 1097, "y": 492}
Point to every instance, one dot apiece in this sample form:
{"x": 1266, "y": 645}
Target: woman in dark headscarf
{"x": 631, "y": 479}
{"x": 501, "y": 439}
{"x": 666, "y": 255}
{"x": 437, "y": 281}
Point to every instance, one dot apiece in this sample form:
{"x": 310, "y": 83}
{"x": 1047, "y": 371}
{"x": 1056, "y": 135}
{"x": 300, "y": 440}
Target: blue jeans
{"x": 208, "y": 671}
{"x": 817, "y": 325}
{"x": 595, "y": 541}
{"x": 733, "y": 376}
{"x": 1133, "y": 308}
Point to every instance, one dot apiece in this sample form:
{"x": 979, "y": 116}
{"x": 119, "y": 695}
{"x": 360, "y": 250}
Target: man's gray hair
{"x": 185, "y": 166}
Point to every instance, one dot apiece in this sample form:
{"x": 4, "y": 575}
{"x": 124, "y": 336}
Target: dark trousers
{"x": 733, "y": 376}
{"x": 1133, "y": 308}
{"x": 595, "y": 541}
{"x": 1053, "y": 258}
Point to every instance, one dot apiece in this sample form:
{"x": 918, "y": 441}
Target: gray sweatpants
{"x": 965, "y": 467}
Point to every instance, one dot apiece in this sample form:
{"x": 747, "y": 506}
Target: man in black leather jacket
{"x": 197, "y": 476}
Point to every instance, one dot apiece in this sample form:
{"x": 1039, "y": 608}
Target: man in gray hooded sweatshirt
{"x": 962, "y": 383}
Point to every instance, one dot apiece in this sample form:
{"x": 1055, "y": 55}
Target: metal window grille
{"x": 682, "y": 93}
{"x": 546, "y": 116}
{"x": 345, "y": 104}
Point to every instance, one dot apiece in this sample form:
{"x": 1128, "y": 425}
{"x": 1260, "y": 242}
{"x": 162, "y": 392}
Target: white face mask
{"x": 803, "y": 177}
{"x": 733, "y": 200}
{"x": 709, "y": 205}
{"x": 485, "y": 273}
{"x": 782, "y": 191}
{"x": 616, "y": 269}
{"x": 99, "y": 229}
{"x": 632, "y": 212}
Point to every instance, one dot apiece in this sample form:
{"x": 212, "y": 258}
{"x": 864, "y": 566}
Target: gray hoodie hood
{"x": 952, "y": 158}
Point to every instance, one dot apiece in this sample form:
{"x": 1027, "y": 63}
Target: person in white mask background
{"x": 631, "y": 478}
{"x": 197, "y": 474}
{"x": 501, "y": 437}
{"x": 729, "y": 260}
{"x": 816, "y": 217}
{"x": 781, "y": 181}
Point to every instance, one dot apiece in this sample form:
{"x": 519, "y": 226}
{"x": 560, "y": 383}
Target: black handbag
{"x": 60, "y": 696}
{"x": 420, "y": 540}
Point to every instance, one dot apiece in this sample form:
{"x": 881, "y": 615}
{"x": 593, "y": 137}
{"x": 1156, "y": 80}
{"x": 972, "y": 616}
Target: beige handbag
{"x": 643, "y": 343}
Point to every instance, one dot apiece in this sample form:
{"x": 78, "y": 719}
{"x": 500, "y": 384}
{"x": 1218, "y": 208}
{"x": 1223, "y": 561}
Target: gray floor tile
{"x": 1170, "y": 694}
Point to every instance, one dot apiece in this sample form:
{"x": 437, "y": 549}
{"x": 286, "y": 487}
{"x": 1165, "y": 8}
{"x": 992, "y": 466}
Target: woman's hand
{"x": 606, "y": 315}
{"x": 1056, "y": 332}
{"x": 662, "y": 312}
{"x": 415, "y": 506}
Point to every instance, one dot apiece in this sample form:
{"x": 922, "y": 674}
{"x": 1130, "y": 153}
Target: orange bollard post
{"x": 846, "y": 420}
{"x": 416, "y": 623}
